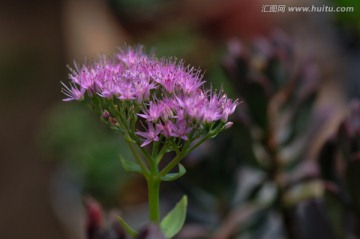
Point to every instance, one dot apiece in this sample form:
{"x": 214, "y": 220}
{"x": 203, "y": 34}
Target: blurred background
{"x": 298, "y": 74}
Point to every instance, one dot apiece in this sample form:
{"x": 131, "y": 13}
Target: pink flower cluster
{"x": 170, "y": 95}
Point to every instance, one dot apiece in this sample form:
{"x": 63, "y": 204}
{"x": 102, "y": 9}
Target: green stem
{"x": 211, "y": 133}
{"x": 161, "y": 154}
{"x": 145, "y": 153}
{"x": 155, "y": 148}
{"x": 175, "y": 146}
{"x": 171, "y": 165}
{"x": 153, "y": 194}
{"x": 138, "y": 159}
{"x": 175, "y": 160}
{"x": 154, "y": 189}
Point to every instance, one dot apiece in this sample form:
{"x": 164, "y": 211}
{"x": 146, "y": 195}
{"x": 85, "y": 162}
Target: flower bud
{"x": 106, "y": 114}
{"x": 228, "y": 125}
{"x": 113, "y": 122}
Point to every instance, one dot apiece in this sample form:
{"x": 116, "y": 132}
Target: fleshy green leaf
{"x": 130, "y": 166}
{"x": 127, "y": 228}
{"x": 174, "y": 220}
{"x": 174, "y": 176}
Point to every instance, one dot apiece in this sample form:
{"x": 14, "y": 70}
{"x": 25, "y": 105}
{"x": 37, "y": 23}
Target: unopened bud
{"x": 113, "y": 122}
{"x": 106, "y": 114}
{"x": 228, "y": 125}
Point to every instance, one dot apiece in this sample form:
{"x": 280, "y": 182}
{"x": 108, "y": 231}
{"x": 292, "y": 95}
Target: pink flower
{"x": 129, "y": 55}
{"x": 73, "y": 93}
{"x": 153, "y": 112}
{"x": 192, "y": 106}
{"x": 166, "y": 129}
{"x": 190, "y": 80}
{"x": 166, "y": 74}
{"x": 150, "y": 135}
{"x": 228, "y": 107}
{"x": 165, "y": 92}
{"x": 181, "y": 129}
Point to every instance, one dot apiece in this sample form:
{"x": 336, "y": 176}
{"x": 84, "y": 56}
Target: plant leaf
{"x": 174, "y": 176}
{"x": 174, "y": 220}
{"x": 130, "y": 166}
{"x": 131, "y": 232}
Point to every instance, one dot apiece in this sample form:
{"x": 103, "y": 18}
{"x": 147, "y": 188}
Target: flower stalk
{"x": 151, "y": 102}
{"x": 154, "y": 198}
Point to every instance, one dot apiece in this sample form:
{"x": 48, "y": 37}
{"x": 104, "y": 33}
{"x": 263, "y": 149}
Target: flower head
{"x": 163, "y": 94}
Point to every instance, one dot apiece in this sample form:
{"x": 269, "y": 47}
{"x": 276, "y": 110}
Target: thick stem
{"x": 153, "y": 193}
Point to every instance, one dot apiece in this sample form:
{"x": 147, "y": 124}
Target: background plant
{"x": 265, "y": 173}
{"x": 339, "y": 165}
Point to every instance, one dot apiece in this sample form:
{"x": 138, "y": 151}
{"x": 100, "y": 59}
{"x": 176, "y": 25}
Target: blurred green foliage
{"x": 73, "y": 135}
{"x": 352, "y": 17}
